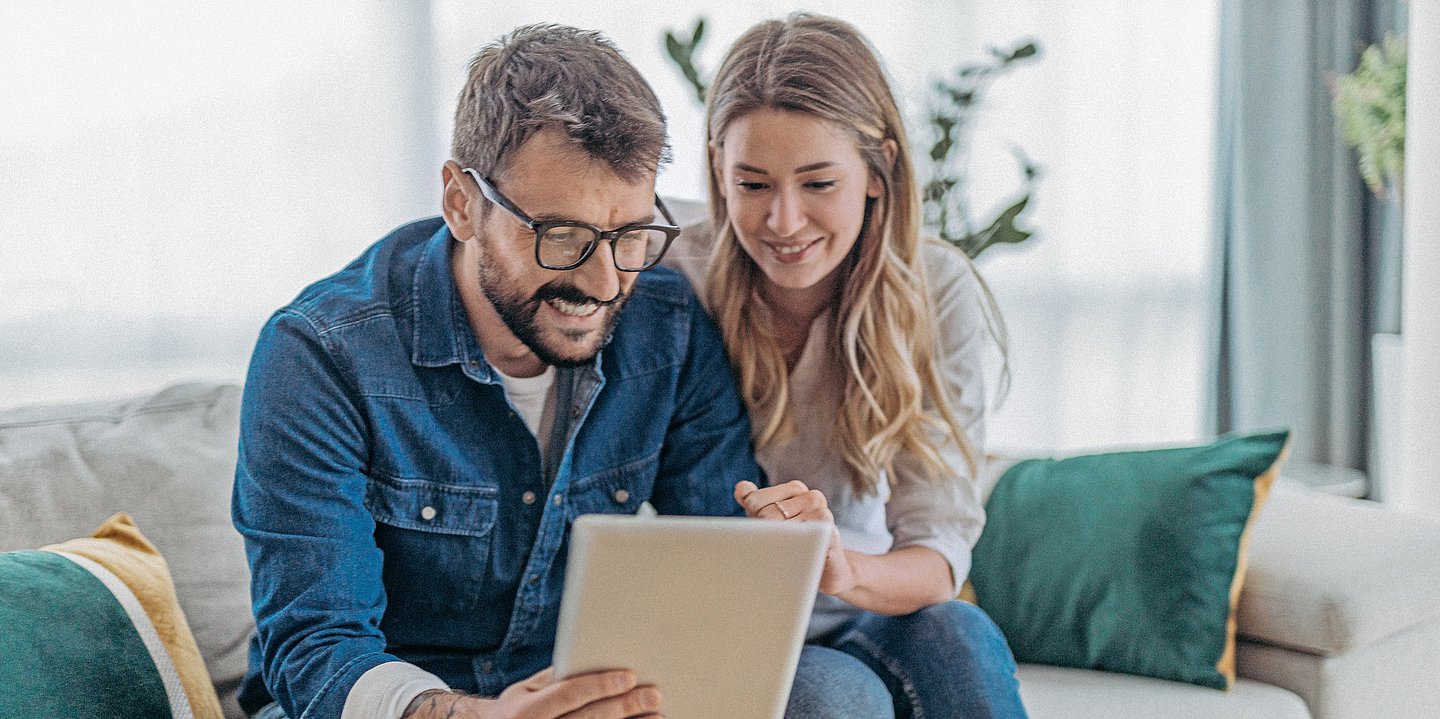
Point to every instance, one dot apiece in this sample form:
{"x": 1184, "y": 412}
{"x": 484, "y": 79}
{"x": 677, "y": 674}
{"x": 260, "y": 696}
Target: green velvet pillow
{"x": 90, "y": 629}
{"x": 1129, "y": 561}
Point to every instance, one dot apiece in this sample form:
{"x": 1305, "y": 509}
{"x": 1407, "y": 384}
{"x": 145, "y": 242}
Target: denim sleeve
{"x": 299, "y": 502}
{"x": 707, "y": 445}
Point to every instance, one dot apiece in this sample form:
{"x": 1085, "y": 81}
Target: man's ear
{"x": 716, "y": 174}
{"x": 891, "y": 150}
{"x": 455, "y": 201}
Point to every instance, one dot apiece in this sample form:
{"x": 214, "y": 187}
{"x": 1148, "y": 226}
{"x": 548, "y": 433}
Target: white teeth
{"x": 574, "y": 310}
{"x": 790, "y": 249}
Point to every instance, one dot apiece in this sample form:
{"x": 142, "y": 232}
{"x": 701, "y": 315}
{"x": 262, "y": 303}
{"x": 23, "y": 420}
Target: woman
{"x": 858, "y": 349}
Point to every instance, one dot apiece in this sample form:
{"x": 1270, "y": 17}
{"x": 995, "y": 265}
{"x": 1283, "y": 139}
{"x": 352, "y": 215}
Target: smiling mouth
{"x": 793, "y": 249}
{"x": 573, "y": 309}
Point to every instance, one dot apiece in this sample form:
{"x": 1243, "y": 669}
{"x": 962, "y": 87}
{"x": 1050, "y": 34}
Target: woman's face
{"x": 795, "y": 188}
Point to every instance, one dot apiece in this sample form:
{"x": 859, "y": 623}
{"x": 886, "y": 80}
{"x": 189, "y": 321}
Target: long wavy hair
{"x": 893, "y": 398}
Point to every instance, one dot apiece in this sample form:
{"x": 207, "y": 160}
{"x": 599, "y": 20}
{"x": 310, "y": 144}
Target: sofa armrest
{"x": 1328, "y": 574}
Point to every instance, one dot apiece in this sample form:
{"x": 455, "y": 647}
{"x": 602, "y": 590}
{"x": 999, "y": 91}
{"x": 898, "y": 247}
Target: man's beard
{"x": 519, "y": 313}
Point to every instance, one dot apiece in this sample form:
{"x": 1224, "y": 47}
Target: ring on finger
{"x": 776, "y": 505}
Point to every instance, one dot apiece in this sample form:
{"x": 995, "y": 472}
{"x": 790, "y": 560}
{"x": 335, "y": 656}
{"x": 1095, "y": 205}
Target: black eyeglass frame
{"x": 671, "y": 231}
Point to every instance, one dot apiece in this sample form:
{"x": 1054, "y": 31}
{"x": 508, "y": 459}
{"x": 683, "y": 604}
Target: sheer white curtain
{"x": 169, "y": 175}
{"x": 1108, "y": 304}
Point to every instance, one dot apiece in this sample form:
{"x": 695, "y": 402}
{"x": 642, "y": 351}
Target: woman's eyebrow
{"x": 803, "y": 168}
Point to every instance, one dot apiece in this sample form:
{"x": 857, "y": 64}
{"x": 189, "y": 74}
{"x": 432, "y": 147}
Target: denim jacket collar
{"x": 434, "y": 296}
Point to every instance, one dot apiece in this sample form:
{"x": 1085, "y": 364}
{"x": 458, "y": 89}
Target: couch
{"x": 1339, "y": 616}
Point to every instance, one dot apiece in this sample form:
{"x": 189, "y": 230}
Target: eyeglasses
{"x": 567, "y": 244}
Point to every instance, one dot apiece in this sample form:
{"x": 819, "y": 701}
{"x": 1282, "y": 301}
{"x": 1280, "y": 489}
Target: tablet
{"x": 711, "y": 610}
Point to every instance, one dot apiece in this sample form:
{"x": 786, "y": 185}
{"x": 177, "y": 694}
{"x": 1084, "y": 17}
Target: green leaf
{"x": 941, "y": 148}
{"x": 682, "y": 54}
{"x": 675, "y": 50}
{"x": 1029, "y": 49}
{"x": 963, "y": 98}
{"x": 1000, "y": 231}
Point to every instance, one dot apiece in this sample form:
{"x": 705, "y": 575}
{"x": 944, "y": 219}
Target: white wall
{"x": 1419, "y": 460}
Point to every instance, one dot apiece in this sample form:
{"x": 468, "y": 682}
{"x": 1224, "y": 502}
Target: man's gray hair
{"x": 549, "y": 75}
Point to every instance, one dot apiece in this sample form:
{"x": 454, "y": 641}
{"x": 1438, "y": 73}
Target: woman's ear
{"x": 455, "y": 201}
{"x": 891, "y": 150}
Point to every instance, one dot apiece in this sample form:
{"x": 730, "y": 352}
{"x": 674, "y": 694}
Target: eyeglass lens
{"x": 564, "y": 245}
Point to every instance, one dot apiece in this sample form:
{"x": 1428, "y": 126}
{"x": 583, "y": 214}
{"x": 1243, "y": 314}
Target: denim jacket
{"x": 393, "y": 503}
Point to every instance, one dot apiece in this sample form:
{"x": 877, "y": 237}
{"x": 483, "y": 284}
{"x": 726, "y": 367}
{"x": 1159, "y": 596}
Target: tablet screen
{"x": 711, "y": 610}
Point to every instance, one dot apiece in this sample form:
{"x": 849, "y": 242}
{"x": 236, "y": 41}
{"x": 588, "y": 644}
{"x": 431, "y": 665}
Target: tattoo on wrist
{"x": 429, "y": 701}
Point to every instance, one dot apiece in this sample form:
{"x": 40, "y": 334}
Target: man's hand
{"x": 795, "y": 502}
{"x": 601, "y": 695}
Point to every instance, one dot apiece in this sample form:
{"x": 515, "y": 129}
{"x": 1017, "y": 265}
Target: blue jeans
{"x": 945, "y": 662}
{"x": 948, "y": 661}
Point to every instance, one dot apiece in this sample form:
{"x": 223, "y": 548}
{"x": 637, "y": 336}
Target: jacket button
{"x": 622, "y": 496}
{"x": 528, "y": 497}
{"x": 575, "y": 412}
{"x": 558, "y": 500}
{"x": 427, "y": 514}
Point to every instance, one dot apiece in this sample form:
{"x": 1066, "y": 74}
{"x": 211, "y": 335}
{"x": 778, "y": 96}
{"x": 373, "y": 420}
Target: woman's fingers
{"x": 743, "y": 490}
{"x": 792, "y": 500}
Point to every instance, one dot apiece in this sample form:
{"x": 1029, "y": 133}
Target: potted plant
{"x": 1369, "y": 107}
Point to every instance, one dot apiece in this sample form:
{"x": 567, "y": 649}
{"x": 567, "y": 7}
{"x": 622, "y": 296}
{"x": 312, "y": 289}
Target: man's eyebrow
{"x": 799, "y": 170}
{"x": 554, "y": 217}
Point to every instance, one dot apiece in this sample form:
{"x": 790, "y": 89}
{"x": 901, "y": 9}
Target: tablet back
{"x": 711, "y": 610}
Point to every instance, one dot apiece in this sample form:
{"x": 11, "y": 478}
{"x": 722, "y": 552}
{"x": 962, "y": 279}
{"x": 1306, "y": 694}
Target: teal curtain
{"x": 1304, "y": 267}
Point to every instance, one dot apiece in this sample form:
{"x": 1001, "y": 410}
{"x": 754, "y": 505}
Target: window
{"x": 172, "y": 174}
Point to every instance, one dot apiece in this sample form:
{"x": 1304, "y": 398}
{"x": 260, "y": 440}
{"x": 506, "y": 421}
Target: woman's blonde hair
{"x": 893, "y": 397}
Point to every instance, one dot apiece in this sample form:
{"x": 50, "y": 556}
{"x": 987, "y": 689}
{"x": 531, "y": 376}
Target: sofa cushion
{"x": 168, "y": 460}
{"x": 1126, "y": 561}
{"x": 92, "y": 629}
{"x": 1062, "y": 693}
{"x": 1368, "y": 574}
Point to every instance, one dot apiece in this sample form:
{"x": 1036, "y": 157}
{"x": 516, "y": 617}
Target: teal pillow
{"x": 91, "y": 629}
{"x": 1128, "y": 561}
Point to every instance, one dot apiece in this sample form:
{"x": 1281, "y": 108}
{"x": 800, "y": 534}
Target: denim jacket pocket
{"x": 436, "y": 539}
{"x": 618, "y": 490}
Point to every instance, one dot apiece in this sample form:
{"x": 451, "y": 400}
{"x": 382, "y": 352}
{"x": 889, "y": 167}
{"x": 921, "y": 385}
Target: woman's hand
{"x": 795, "y": 502}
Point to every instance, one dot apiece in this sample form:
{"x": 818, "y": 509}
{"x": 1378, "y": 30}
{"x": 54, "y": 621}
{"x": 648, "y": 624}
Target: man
{"x": 420, "y": 429}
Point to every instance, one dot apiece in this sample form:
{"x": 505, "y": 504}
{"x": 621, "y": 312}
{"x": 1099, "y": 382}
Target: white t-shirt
{"x": 534, "y": 401}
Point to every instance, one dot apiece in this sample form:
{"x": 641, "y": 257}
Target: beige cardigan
{"x": 907, "y": 511}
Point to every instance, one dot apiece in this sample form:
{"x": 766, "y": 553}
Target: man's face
{"x": 562, "y": 316}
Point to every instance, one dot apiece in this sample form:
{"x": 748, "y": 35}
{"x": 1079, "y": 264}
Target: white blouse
{"x": 908, "y": 510}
